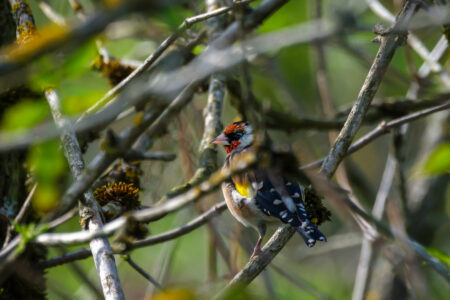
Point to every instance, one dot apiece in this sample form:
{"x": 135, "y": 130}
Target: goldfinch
{"x": 260, "y": 196}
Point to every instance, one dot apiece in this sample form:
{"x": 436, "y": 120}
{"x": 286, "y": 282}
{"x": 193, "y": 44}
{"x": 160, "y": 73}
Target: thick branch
{"x": 89, "y": 209}
{"x": 384, "y": 56}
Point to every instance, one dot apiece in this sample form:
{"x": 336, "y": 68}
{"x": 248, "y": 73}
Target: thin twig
{"x": 75, "y": 36}
{"x": 51, "y": 14}
{"x": 438, "y": 51}
{"x": 328, "y": 189}
{"x": 84, "y": 279}
{"x": 186, "y": 24}
{"x": 365, "y": 260}
{"x": 383, "y": 128}
{"x": 302, "y": 284}
{"x": 135, "y": 156}
{"x": 413, "y": 41}
{"x": 141, "y": 271}
{"x": 19, "y": 217}
{"x": 179, "y": 231}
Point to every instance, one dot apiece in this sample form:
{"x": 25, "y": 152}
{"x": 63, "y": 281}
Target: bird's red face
{"x": 235, "y": 136}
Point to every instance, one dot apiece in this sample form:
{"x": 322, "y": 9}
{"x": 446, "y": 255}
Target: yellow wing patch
{"x": 243, "y": 189}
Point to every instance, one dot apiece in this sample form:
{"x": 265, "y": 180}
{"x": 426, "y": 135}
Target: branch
{"x": 396, "y": 108}
{"x": 328, "y": 189}
{"x": 170, "y": 83}
{"x": 384, "y": 56}
{"x": 381, "y": 129}
{"x": 19, "y": 217}
{"x": 152, "y": 240}
{"x": 141, "y": 271}
{"x": 89, "y": 209}
{"x": 26, "y": 27}
{"x": 366, "y": 256}
{"x": 70, "y": 38}
{"x": 135, "y": 156}
{"x": 413, "y": 41}
{"x": 78, "y": 9}
{"x": 188, "y": 227}
{"x": 117, "y": 145}
{"x": 193, "y": 194}
{"x": 259, "y": 262}
{"x": 438, "y": 51}
{"x": 186, "y": 24}
{"x": 51, "y": 14}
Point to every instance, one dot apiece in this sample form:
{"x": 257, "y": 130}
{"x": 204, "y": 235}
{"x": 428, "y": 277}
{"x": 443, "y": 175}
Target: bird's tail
{"x": 310, "y": 233}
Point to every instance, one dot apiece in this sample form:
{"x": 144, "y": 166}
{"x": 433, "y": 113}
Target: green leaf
{"x": 293, "y": 13}
{"x": 72, "y": 66}
{"x": 47, "y": 162}
{"x": 198, "y": 49}
{"x": 46, "y": 197}
{"x": 78, "y": 62}
{"x": 45, "y": 75}
{"x": 24, "y": 115}
{"x": 28, "y": 232}
{"x": 73, "y": 105}
{"x": 172, "y": 16}
{"x": 439, "y": 160}
{"x": 439, "y": 255}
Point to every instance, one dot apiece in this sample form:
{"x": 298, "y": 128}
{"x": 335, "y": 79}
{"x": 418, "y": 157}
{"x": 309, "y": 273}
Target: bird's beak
{"x": 220, "y": 140}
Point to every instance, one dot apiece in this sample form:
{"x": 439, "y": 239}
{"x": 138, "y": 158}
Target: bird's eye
{"x": 235, "y": 135}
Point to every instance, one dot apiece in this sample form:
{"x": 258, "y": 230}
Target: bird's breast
{"x": 243, "y": 208}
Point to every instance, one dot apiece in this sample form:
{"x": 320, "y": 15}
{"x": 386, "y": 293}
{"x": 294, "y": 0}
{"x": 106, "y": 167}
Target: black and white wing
{"x": 271, "y": 203}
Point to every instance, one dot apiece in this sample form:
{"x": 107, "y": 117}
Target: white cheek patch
{"x": 247, "y": 138}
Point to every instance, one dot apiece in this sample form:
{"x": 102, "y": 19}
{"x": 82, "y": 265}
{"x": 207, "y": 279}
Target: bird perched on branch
{"x": 260, "y": 195}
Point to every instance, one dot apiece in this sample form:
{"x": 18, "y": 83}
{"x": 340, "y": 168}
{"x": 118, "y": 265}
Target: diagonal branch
{"x": 389, "y": 44}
